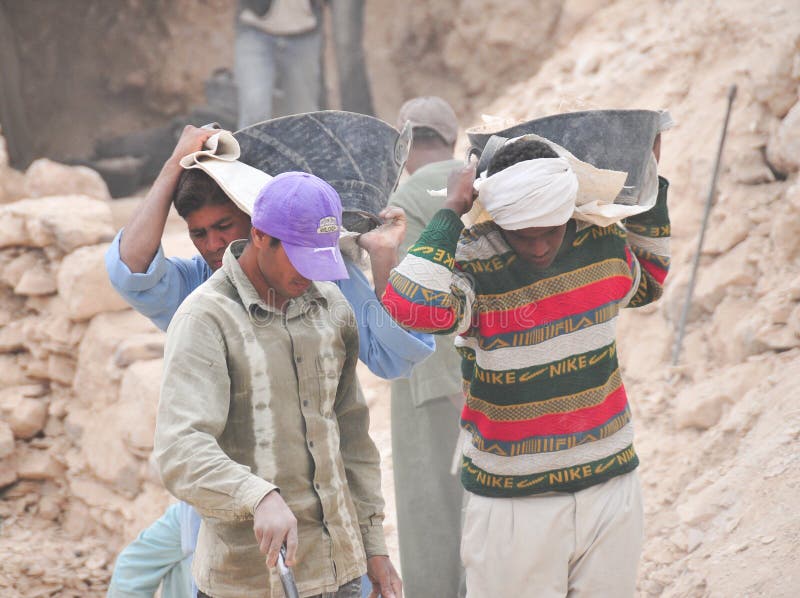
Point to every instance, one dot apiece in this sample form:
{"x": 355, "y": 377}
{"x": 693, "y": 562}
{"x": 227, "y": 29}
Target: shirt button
{"x": 316, "y": 485}
{"x": 298, "y": 359}
{"x": 311, "y": 443}
{"x": 305, "y": 403}
{"x": 325, "y": 522}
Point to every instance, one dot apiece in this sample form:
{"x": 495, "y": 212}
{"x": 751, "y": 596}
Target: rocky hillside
{"x": 717, "y": 434}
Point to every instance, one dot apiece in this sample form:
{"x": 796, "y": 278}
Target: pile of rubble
{"x": 79, "y": 376}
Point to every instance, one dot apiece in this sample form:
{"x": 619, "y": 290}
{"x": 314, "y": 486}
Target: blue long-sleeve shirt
{"x": 388, "y": 350}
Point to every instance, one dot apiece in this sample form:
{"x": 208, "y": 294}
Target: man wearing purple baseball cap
{"x": 305, "y": 214}
{"x": 260, "y": 419}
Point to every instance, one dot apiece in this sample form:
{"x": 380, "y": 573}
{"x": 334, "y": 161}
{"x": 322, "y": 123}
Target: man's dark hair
{"x": 195, "y": 190}
{"x": 427, "y": 136}
{"x": 519, "y": 151}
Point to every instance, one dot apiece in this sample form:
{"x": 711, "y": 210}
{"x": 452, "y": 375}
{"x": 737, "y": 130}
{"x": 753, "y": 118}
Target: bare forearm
{"x": 142, "y": 235}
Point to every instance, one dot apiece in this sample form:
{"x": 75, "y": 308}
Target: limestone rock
{"x": 83, "y": 283}
{"x": 793, "y": 323}
{"x": 726, "y": 234}
{"x": 783, "y": 149}
{"x": 138, "y": 403}
{"x": 778, "y": 337}
{"x": 785, "y": 234}
{"x": 697, "y": 510}
{"x": 701, "y": 406}
{"x": 12, "y": 337}
{"x": 139, "y": 347}
{"x": 45, "y": 178}
{"x": 16, "y": 267}
{"x": 28, "y": 417}
{"x": 778, "y": 88}
{"x": 12, "y": 371}
{"x": 61, "y": 368}
{"x": 749, "y": 168}
{"x": 68, "y": 221}
{"x": 6, "y": 440}
{"x": 732, "y": 269}
{"x": 39, "y": 280}
{"x": 728, "y": 315}
{"x": 12, "y": 185}
{"x": 97, "y": 378}
{"x": 104, "y": 450}
{"x": 8, "y": 471}
{"x": 34, "y": 464}
{"x": 53, "y": 333}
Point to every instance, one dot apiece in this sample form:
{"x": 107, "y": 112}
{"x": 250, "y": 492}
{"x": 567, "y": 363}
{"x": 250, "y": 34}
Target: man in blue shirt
{"x": 155, "y": 286}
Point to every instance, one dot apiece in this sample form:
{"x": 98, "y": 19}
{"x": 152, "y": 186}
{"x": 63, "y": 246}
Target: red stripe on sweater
{"x": 414, "y": 315}
{"x": 556, "y": 307}
{"x": 659, "y": 274}
{"x": 580, "y": 420}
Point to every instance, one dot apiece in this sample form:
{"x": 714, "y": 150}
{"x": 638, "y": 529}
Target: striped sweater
{"x": 545, "y": 408}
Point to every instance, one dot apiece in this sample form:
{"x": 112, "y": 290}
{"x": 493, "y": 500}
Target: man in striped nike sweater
{"x": 554, "y": 504}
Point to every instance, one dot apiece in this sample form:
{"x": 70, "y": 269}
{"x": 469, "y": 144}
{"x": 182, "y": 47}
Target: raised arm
{"x": 426, "y": 292}
{"x": 648, "y": 240}
{"x": 142, "y": 238}
{"x": 388, "y": 350}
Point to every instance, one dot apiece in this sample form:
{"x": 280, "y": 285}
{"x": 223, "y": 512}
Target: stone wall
{"x": 79, "y": 378}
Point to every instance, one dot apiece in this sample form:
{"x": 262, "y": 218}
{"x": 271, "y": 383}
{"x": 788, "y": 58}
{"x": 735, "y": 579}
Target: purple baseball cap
{"x": 305, "y": 213}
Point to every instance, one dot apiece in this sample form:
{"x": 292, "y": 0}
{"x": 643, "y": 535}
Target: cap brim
{"x": 317, "y": 263}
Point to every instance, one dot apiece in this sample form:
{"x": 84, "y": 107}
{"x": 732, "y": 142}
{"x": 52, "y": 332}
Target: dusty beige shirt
{"x": 253, "y": 399}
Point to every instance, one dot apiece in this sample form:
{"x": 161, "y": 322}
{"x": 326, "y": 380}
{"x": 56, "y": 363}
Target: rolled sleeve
{"x": 126, "y": 281}
{"x": 386, "y": 348}
{"x": 374, "y": 540}
{"x": 158, "y": 292}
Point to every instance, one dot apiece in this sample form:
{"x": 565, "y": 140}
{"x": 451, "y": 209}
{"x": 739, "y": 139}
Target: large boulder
{"x": 67, "y": 221}
{"x": 45, "y": 178}
{"x": 103, "y": 448}
{"x": 25, "y": 415}
{"x": 138, "y": 404}
{"x": 84, "y": 285}
{"x": 97, "y": 378}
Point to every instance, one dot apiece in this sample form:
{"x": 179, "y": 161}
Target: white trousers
{"x": 582, "y": 544}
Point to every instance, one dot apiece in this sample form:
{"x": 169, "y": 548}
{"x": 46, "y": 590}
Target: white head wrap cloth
{"x": 593, "y": 202}
{"x": 533, "y": 193}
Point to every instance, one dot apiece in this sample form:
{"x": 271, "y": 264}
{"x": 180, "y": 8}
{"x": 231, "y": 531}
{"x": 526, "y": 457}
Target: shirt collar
{"x": 255, "y": 305}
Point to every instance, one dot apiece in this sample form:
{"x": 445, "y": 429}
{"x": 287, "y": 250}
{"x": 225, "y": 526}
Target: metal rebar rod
{"x": 676, "y": 351}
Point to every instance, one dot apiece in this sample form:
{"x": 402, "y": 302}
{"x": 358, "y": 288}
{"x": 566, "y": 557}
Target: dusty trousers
{"x": 428, "y": 496}
{"x": 582, "y": 544}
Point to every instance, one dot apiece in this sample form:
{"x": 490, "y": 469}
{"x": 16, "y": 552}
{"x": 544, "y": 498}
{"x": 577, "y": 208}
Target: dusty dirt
{"x": 717, "y": 434}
